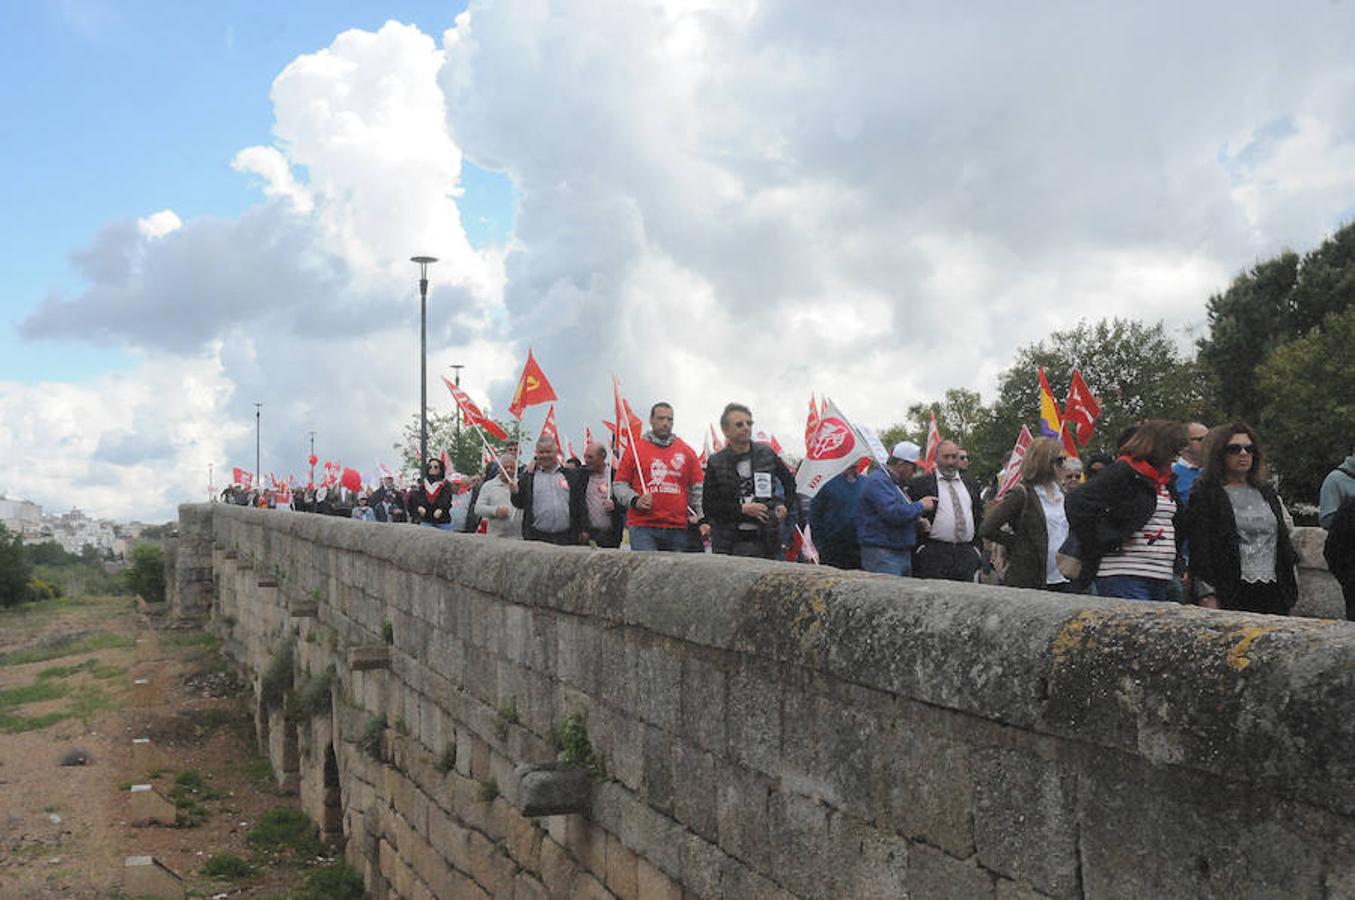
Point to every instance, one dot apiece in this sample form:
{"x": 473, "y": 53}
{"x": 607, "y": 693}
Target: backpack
{"x": 1339, "y": 549}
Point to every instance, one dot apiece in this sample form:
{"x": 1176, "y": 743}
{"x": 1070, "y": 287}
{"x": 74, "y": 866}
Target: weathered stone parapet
{"x": 760, "y": 729}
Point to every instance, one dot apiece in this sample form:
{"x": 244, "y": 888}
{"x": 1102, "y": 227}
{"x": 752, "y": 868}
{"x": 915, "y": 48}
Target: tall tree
{"x": 15, "y": 569}
{"x": 1245, "y": 323}
{"x": 1307, "y": 391}
{"x": 958, "y": 417}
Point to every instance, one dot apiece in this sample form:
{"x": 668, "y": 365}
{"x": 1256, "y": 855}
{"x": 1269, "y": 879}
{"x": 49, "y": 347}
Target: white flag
{"x": 835, "y": 446}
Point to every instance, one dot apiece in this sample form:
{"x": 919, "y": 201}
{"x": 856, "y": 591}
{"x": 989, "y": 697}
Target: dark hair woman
{"x": 1030, "y": 520}
{"x": 1241, "y": 556}
{"x": 430, "y": 502}
{"x": 1126, "y": 518}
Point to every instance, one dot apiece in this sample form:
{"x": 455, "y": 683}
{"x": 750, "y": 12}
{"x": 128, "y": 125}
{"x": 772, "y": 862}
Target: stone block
{"x": 801, "y": 848}
{"x": 702, "y": 704}
{"x": 369, "y": 657}
{"x": 753, "y": 717}
{"x": 658, "y": 770}
{"x": 655, "y": 680}
{"x": 737, "y": 880}
{"x": 145, "y": 806}
{"x": 525, "y": 887}
{"x": 695, "y": 789}
{"x": 586, "y": 887}
{"x": 587, "y": 843}
{"x": 742, "y": 819}
{"x": 699, "y": 863}
{"x": 1025, "y": 819}
{"x": 929, "y": 789}
{"x": 622, "y": 873}
{"x": 550, "y": 789}
{"x": 1204, "y": 836}
{"x": 146, "y": 876}
{"x": 490, "y": 866}
{"x": 558, "y": 871}
{"x": 932, "y": 873}
{"x": 524, "y": 842}
{"x": 653, "y": 884}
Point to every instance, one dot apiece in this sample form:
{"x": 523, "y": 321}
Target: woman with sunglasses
{"x": 1030, "y": 521}
{"x": 1241, "y": 556}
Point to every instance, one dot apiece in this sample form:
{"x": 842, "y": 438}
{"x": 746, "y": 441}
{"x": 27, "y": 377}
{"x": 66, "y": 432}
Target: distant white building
{"x": 21, "y": 516}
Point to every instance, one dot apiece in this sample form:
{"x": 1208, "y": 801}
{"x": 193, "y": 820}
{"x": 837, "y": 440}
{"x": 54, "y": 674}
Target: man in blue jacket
{"x": 832, "y": 520}
{"x": 886, "y": 525}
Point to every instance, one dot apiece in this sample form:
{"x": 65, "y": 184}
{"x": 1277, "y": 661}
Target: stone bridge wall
{"x": 771, "y": 730}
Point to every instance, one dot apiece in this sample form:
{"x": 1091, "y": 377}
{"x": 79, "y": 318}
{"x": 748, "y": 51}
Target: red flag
{"x": 933, "y": 441}
{"x": 705, "y": 452}
{"x": 628, "y": 424}
{"x": 533, "y": 388}
{"x": 1011, "y": 473}
{"x": 473, "y": 414}
{"x": 1081, "y": 411}
{"x": 716, "y": 445}
{"x": 548, "y": 430}
{"x": 313, "y": 459}
{"x": 811, "y": 421}
{"x": 776, "y": 445}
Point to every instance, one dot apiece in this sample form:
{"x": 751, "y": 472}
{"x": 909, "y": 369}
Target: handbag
{"x": 1068, "y": 558}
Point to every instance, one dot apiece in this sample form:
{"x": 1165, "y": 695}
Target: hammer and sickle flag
{"x": 533, "y": 388}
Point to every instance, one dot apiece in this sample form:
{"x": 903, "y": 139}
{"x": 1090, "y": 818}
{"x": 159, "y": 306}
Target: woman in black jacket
{"x": 430, "y": 502}
{"x": 1126, "y": 518}
{"x": 1030, "y": 520}
{"x": 1241, "y": 556}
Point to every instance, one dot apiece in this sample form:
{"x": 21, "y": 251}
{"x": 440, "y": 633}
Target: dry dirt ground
{"x": 68, "y": 673}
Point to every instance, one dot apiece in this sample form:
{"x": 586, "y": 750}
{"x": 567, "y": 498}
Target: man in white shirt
{"x": 950, "y": 548}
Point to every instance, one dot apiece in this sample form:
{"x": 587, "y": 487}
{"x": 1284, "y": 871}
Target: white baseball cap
{"x": 907, "y": 451}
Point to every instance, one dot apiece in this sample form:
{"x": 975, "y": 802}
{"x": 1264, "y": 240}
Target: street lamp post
{"x": 311, "y": 459}
{"x": 423, "y": 262}
{"x": 258, "y": 411}
{"x": 456, "y": 370}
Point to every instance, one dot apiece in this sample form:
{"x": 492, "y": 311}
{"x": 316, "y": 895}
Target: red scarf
{"x": 432, "y": 492}
{"x": 1147, "y": 470}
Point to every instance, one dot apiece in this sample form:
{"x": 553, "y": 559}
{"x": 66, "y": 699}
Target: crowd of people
{"x": 1182, "y": 513}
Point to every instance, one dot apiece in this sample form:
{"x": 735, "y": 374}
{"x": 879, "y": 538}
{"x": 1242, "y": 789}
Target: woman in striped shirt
{"x": 1126, "y": 517}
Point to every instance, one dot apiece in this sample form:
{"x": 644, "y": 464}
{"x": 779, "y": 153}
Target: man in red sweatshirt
{"x": 659, "y": 483}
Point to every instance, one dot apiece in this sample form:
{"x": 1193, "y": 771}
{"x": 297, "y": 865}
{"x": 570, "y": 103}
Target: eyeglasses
{"x": 1236, "y": 449}
{"x": 748, "y": 424}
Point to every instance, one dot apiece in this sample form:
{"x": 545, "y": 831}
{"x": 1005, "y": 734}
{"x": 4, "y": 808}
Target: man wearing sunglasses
{"x": 742, "y": 504}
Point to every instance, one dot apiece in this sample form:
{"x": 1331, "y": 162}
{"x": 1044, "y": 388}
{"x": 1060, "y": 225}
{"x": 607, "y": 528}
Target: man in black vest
{"x": 950, "y": 549}
{"x": 746, "y": 492}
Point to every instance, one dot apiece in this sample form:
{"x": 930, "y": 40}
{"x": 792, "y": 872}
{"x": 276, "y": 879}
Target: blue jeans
{"x": 647, "y": 537}
{"x": 1132, "y": 587}
{"x": 887, "y": 561}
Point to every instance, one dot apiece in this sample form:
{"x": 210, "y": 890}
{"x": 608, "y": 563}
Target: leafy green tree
{"x": 463, "y": 451}
{"x": 958, "y": 417}
{"x": 146, "y": 574}
{"x": 50, "y": 553}
{"x": 15, "y": 569}
{"x": 1307, "y": 392}
{"x": 1245, "y": 323}
{"x": 1273, "y": 303}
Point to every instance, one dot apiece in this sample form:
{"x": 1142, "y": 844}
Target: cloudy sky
{"x": 212, "y": 205}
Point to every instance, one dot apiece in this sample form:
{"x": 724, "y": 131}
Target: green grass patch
{"x": 37, "y": 692}
{"x": 87, "y": 644}
{"x": 15, "y": 724}
{"x": 190, "y": 793}
{"x": 258, "y": 768}
{"x": 284, "y": 830}
{"x": 91, "y": 666}
{"x": 188, "y": 639}
{"x": 85, "y": 702}
{"x": 227, "y": 866}
{"x": 334, "y": 881}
